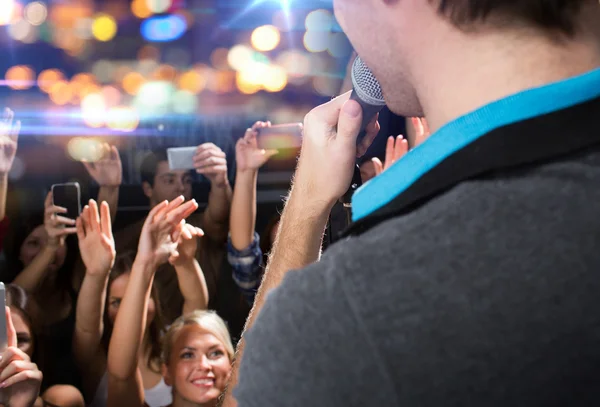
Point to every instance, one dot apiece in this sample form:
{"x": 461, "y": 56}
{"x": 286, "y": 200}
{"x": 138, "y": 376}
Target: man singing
{"x": 470, "y": 274}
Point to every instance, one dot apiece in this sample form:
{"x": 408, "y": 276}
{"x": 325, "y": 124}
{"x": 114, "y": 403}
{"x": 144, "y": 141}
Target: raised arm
{"x": 108, "y": 174}
{"x": 97, "y": 248}
{"x": 324, "y": 173}
{"x": 9, "y": 134}
{"x": 190, "y": 277}
{"x": 245, "y": 256}
{"x": 58, "y": 228}
{"x": 211, "y": 162}
{"x": 155, "y": 247}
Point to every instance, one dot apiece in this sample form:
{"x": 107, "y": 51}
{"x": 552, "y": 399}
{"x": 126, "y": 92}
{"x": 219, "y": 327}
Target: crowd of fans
{"x": 126, "y": 318}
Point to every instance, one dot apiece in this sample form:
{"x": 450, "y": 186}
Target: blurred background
{"x": 157, "y": 73}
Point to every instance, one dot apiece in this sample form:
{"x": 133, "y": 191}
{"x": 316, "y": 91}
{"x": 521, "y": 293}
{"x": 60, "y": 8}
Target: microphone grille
{"x": 365, "y": 84}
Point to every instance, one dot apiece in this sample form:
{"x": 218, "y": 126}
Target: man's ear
{"x": 166, "y": 375}
{"x": 147, "y": 189}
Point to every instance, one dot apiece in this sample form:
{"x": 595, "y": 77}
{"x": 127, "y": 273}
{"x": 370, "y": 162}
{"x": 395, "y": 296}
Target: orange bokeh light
{"x": 20, "y": 77}
{"x": 132, "y": 82}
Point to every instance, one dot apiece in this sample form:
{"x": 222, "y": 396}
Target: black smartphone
{"x": 67, "y": 196}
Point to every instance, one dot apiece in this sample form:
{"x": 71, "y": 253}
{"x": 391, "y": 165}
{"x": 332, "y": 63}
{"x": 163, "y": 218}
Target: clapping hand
{"x": 20, "y": 379}
{"x": 162, "y": 229}
{"x": 421, "y": 130}
{"x": 247, "y": 154}
{"x": 395, "y": 149}
{"x": 9, "y": 135}
{"x": 96, "y": 243}
{"x": 187, "y": 243}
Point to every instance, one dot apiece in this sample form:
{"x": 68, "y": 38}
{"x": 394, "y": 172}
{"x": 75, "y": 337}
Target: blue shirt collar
{"x": 465, "y": 130}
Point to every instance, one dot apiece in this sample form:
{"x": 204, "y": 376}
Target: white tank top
{"x": 158, "y": 396}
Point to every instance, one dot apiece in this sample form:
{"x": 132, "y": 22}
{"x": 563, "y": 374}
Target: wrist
{"x": 246, "y": 173}
{"x": 3, "y": 178}
{"x": 112, "y": 188}
{"x": 303, "y": 197}
{"x": 145, "y": 263}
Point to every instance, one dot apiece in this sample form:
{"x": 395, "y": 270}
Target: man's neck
{"x": 494, "y": 66}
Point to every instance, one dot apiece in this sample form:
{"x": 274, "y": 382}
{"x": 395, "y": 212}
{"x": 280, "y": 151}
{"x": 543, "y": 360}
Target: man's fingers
{"x": 329, "y": 113}
{"x": 182, "y": 212}
{"x": 372, "y": 130}
{"x": 48, "y": 200}
{"x": 350, "y": 120}
{"x": 270, "y": 153}
{"x": 208, "y": 155}
{"x": 61, "y": 220}
{"x": 67, "y": 231}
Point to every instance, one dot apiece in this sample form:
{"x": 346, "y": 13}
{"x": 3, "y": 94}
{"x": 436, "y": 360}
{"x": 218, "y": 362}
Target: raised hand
{"x": 187, "y": 243}
{"x": 57, "y": 227}
{"x": 9, "y": 135}
{"x": 96, "y": 243}
{"x": 247, "y": 154}
{"x": 211, "y": 162}
{"x": 395, "y": 149}
{"x": 20, "y": 379}
{"x": 108, "y": 170}
{"x": 158, "y": 240}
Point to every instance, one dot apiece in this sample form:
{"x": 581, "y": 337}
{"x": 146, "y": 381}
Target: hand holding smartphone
{"x": 67, "y": 196}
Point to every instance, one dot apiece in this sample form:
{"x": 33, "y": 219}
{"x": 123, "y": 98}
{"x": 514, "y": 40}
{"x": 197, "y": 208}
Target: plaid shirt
{"x": 247, "y": 267}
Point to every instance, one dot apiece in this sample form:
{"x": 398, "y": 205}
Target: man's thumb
{"x": 350, "y": 120}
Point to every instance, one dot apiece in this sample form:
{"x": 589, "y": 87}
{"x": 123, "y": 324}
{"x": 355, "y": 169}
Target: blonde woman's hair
{"x": 209, "y": 321}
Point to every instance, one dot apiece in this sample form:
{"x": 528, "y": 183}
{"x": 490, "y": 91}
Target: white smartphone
{"x": 68, "y": 196}
{"x": 181, "y": 158}
{"x": 3, "y": 331}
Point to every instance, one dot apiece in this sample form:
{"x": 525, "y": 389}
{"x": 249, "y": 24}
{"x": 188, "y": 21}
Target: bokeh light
{"x": 61, "y": 93}
{"x": 85, "y": 149}
{"x": 165, "y": 73}
{"x": 20, "y": 30}
{"x": 149, "y": 52}
{"x": 184, "y": 102}
{"x": 83, "y": 28}
{"x": 140, "y": 9}
{"x": 219, "y": 57}
{"x": 284, "y": 21}
{"x": 339, "y": 46}
{"x": 296, "y": 63}
{"x": 112, "y": 96}
{"x": 244, "y": 86}
{"x": 49, "y": 77}
{"x": 275, "y": 79}
{"x": 158, "y": 6}
{"x": 327, "y": 86}
{"x": 254, "y": 73}
{"x": 239, "y": 56}
{"x": 132, "y": 82}
{"x": 93, "y": 110}
{"x": 20, "y": 77}
{"x": 319, "y": 20}
{"x": 104, "y": 27}
{"x": 104, "y": 70}
{"x": 265, "y": 38}
{"x": 192, "y": 81}
{"x": 154, "y": 97}
{"x": 6, "y": 12}
{"x": 316, "y": 41}
{"x": 36, "y": 13}
{"x": 122, "y": 118}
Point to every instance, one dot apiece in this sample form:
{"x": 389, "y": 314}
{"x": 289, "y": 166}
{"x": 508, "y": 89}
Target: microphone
{"x": 367, "y": 92}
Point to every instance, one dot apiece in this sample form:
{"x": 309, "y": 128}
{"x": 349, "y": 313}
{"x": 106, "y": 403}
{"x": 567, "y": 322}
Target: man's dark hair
{"x": 551, "y": 15}
{"x": 150, "y": 165}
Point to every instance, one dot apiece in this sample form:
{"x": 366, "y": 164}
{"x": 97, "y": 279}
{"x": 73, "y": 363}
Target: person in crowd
{"x": 470, "y": 269}
{"x": 165, "y": 237}
{"x": 108, "y": 278}
{"x": 244, "y": 252}
{"x": 160, "y": 184}
{"x": 9, "y": 135}
{"x": 42, "y": 258}
{"x": 56, "y": 395}
{"x": 20, "y": 379}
